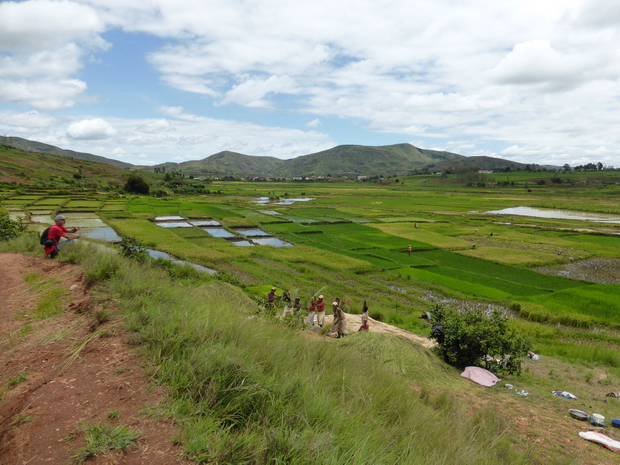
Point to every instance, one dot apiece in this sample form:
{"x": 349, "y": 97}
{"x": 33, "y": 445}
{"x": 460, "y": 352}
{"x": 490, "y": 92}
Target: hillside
{"x": 26, "y": 167}
{"x": 26, "y": 145}
{"x": 389, "y": 160}
{"x": 227, "y": 163}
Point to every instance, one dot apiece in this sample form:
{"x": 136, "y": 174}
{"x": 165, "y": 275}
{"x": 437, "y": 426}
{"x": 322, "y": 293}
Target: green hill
{"x": 33, "y": 146}
{"x": 27, "y": 167}
{"x": 389, "y": 160}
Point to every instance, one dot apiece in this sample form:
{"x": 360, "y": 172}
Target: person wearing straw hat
{"x": 340, "y": 326}
{"x": 57, "y": 232}
{"x": 320, "y": 311}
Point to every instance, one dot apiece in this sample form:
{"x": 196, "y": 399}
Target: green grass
{"x": 466, "y": 287}
{"x": 252, "y": 391}
{"x": 497, "y": 271}
{"x": 103, "y": 438}
{"x": 600, "y": 301}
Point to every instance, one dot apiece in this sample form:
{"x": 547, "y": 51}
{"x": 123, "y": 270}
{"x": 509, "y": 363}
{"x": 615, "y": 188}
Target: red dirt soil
{"x": 40, "y": 417}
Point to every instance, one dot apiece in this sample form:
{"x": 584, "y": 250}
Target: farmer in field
{"x": 364, "y": 326}
{"x": 297, "y": 305}
{"x": 409, "y": 250}
{"x": 320, "y": 311}
{"x": 288, "y": 310}
{"x": 271, "y": 298}
{"x": 311, "y": 311}
{"x": 57, "y": 232}
{"x": 341, "y": 326}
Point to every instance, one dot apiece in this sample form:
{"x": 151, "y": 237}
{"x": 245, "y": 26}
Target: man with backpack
{"x": 52, "y": 243}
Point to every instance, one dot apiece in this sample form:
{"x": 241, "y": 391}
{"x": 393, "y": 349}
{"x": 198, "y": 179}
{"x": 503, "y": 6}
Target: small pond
{"x": 170, "y": 218}
{"x": 243, "y": 243}
{"x": 252, "y": 232}
{"x": 271, "y": 212}
{"x": 15, "y": 215}
{"x": 163, "y": 255}
{"x": 273, "y": 241}
{"x": 106, "y": 234}
{"x": 279, "y": 200}
{"x": 558, "y": 214}
{"x": 175, "y": 224}
{"x": 219, "y": 232}
{"x": 205, "y": 223}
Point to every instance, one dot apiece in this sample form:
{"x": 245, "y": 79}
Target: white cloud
{"x": 39, "y": 25}
{"x": 475, "y": 76}
{"x": 91, "y": 129}
{"x": 315, "y": 123}
{"x": 44, "y": 94}
{"x": 29, "y": 119}
{"x": 42, "y": 45}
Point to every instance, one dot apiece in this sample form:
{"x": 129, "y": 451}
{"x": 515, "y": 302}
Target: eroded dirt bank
{"x": 59, "y": 372}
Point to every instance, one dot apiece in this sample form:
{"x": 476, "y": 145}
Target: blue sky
{"x": 149, "y": 81}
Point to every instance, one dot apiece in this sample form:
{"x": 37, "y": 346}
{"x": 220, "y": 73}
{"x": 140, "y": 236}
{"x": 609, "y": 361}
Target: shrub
{"x": 473, "y": 338}
{"x": 9, "y": 229}
{"x": 133, "y": 248}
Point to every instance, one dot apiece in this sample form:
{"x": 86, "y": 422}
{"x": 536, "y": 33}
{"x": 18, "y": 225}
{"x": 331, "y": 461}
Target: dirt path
{"x": 49, "y": 386}
{"x": 374, "y": 326}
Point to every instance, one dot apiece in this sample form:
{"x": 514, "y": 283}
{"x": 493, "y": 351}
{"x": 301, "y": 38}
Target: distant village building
{"x": 486, "y": 171}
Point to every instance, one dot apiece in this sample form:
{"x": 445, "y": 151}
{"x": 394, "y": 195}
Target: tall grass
{"x": 248, "y": 392}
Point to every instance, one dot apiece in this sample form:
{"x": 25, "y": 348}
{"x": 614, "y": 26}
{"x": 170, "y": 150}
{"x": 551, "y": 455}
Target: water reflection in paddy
{"x": 205, "y": 223}
{"x": 106, "y": 234}
{"x": 252, "y": 232}
{"x": 170, "y": 218}
{"x": 279, "y": 200}
{"x": 558, "y": 214}
{"x": 219, "y": 232}
{"x": 243, "y": 243}
{"x": 273, "y": 241}
{"x": 175, "y": 224}
{"x": 163, "y": 255}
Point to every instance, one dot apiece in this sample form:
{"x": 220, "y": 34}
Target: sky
{"x": 150, "y": 81}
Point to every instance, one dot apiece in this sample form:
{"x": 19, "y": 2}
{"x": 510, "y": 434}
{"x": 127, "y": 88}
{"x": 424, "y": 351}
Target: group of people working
{"x": 316, "y": 312}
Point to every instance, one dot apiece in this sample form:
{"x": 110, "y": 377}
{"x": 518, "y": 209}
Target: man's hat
{"x": 320, "y": 297}
{"x": 59, "y": 217}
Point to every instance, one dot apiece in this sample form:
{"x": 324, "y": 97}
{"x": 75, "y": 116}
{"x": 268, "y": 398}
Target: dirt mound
{"x": 65, "y": 363}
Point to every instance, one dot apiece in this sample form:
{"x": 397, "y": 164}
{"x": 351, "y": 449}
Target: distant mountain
{"x": 364, "y": 160}
{"x": 483, "y": 163}
{"x": 227, "y": 163}
{"x": 33, "y": 146}
{"x": 344, "y": 159}
{"x": 389, "y": 160}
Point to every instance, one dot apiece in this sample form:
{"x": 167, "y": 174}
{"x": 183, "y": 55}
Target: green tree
{"x": 137, "y": 185}
{"x": 473, "y": 338}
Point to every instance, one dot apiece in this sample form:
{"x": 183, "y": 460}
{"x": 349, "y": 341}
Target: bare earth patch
{"x": 67, "y": 369}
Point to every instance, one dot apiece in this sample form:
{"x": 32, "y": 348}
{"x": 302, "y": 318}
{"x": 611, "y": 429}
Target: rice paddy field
{"x": 352, "y": 240}
{"x": 404, "y": 248}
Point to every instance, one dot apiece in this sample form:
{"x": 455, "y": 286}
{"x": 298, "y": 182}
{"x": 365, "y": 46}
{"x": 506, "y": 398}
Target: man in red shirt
{"x": 58, "y": 231}
{"x": 320, "y": 311}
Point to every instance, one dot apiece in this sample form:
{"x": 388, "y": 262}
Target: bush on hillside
{"x": 137, "y": 185}
{"x": 9, "y": 228}
{"x": 472, "y": 338}
{"x": 134, "y": 249}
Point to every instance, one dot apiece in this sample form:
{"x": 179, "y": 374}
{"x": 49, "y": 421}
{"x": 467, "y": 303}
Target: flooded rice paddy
{"x": 558, "y": 214}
